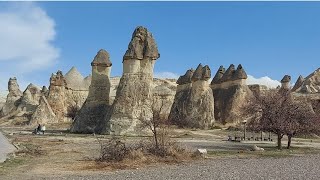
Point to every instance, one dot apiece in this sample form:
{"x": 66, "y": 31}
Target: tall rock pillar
{"x": 13, "y": 97}
{"x": 133, "y": 101}
{"x": 92, "y": 116}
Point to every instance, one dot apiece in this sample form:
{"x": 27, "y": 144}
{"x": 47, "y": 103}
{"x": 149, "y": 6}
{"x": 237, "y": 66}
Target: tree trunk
{"x": 289, "y": 141}
{"x": 156, "y": 138}
{"x": 279, "y": 141}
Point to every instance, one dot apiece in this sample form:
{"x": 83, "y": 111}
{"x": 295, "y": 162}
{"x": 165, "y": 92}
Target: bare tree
{"x": 158, "y": 126}
{"x": 277, "y": 112}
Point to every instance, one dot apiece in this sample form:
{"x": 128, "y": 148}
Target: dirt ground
{"x": 58, "y": 151}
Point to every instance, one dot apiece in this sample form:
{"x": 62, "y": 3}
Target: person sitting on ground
{"x": 43, "y": 128}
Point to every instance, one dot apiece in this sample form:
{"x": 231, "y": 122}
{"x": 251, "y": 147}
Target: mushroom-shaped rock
{"x": 102, "y": 59}
{"x": 206, "y": 73}
{"x": 298, "y": 83}
{"x": 228, "y": 74}
{"x": 286, "y": 79}
{"x": 186, "y": 78}
{"x": 197, "y": 75}
{"x": 142, "y": 46}
{"x": 218, "y": 76}
{"x": 240, "y": 73}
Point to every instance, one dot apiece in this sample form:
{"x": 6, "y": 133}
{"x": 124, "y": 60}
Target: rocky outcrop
{"x": 43, "y": 114}
{"x": 13, "y": 98}
{"x": 30, "y": 99}
{"x": 298, "y": 83}
{"x": 133, "y": 101}
{"x": 56, "y": 97}
{"x": 74, "y": 80}
{"x": 311, "y": 84}
{"x": 230, "y": 91}
{"x": 163, "y": 98}
{"x": 193, "y": 105}
{"x": 92, "y": 116}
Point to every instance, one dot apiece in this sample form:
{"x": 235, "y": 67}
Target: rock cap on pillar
{"x": 102, "y": 59}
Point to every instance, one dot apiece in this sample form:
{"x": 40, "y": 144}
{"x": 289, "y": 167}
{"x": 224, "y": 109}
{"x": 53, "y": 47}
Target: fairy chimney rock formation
{"x": 133, "y": 101}
{"x": 13, "y": 97}
{"x": 217, "y": 78}
{"x": 230, "y": 92}
{"x": 285, "y": 82}
{"x": 56, "y": 96}
{"x": 92, "y": 116}
{"x": 193, "y": 105}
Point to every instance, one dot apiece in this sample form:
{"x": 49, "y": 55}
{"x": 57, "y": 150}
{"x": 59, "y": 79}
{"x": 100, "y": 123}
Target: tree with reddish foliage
{"x": 277, "y": 112}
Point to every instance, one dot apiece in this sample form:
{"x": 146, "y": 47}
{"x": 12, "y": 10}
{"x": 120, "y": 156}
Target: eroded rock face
{"x": 133, "y": 101}
{"x": 230, "y": 92}
{"x": 298, "y": 83}
{"x": 13, "y": 98}
{"x": 56, "y": 97}
{"x": 311, "y": 83}
{"x": 30, "y": 99}
{"x": 193, "y": 105}
{"x": 92, "y": 115}
{"x": 43, "y": 114}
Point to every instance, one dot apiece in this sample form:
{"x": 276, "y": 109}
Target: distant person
{"x": 43, "y": 128}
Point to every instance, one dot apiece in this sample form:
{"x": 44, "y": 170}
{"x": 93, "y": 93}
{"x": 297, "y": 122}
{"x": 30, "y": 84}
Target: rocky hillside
{"x": 310, "y": 84}
{"x": 3, "y": 96}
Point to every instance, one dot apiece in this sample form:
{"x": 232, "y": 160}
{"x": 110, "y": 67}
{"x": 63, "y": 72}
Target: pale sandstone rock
{"x": 43, "y": 114}
{"x": 30, "y": 99}
{"x": 193, "y": 105}
{"x": 133, "y": 102}
{"x": 285, "y": 82}
{"x": 230, "y": 92}
{"x": 311, "y": 83}
{"x": 13, "y": 98}
{"x": 56, "y": 97}
{"x": 298, "y": 83}
{"x": 92, "y": 116}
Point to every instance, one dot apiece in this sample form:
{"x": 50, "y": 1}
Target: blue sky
{"x": 268, "y": 38}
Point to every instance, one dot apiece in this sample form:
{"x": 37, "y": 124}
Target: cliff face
{"x": 230, "y": 92}
{"x": 193, "y": 105}
{"x": 92, "y": 116}
{"x": 134, "y": 98}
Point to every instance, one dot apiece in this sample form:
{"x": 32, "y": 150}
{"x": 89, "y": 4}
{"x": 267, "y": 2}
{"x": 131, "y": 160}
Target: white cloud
{"x": 270, "y": 83}
{"x": 26, "y": 33}
{"x": 169, "y": 75}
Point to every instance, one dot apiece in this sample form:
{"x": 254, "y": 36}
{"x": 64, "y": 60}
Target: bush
{"x": 113, "y": 150}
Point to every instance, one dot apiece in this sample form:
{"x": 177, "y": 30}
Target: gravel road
{"x": 304, "y": 167}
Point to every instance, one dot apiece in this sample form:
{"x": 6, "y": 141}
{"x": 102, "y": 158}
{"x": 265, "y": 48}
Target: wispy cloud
{"x": 267, "y": 81}
{"x": 169, "y": 75}
{"x": 26, "y": 33}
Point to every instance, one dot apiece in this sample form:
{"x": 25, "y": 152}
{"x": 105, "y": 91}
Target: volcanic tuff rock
{"x": 92, "y": 115}
{"x": 30, "y": 99}
{"x": 285, "y": 82}
{"x": 230, "y": 92}
{"x": 43, "y": 114}
{"x": 134, "y": 98}
{"x": 311, "y": 83}
{"x": 298, "y": 83}
{"x": 186, "y": 78}
{"x": 193, "y": 105}
{"x": 13, "y": 98}
{"x": 56, "y": 97}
